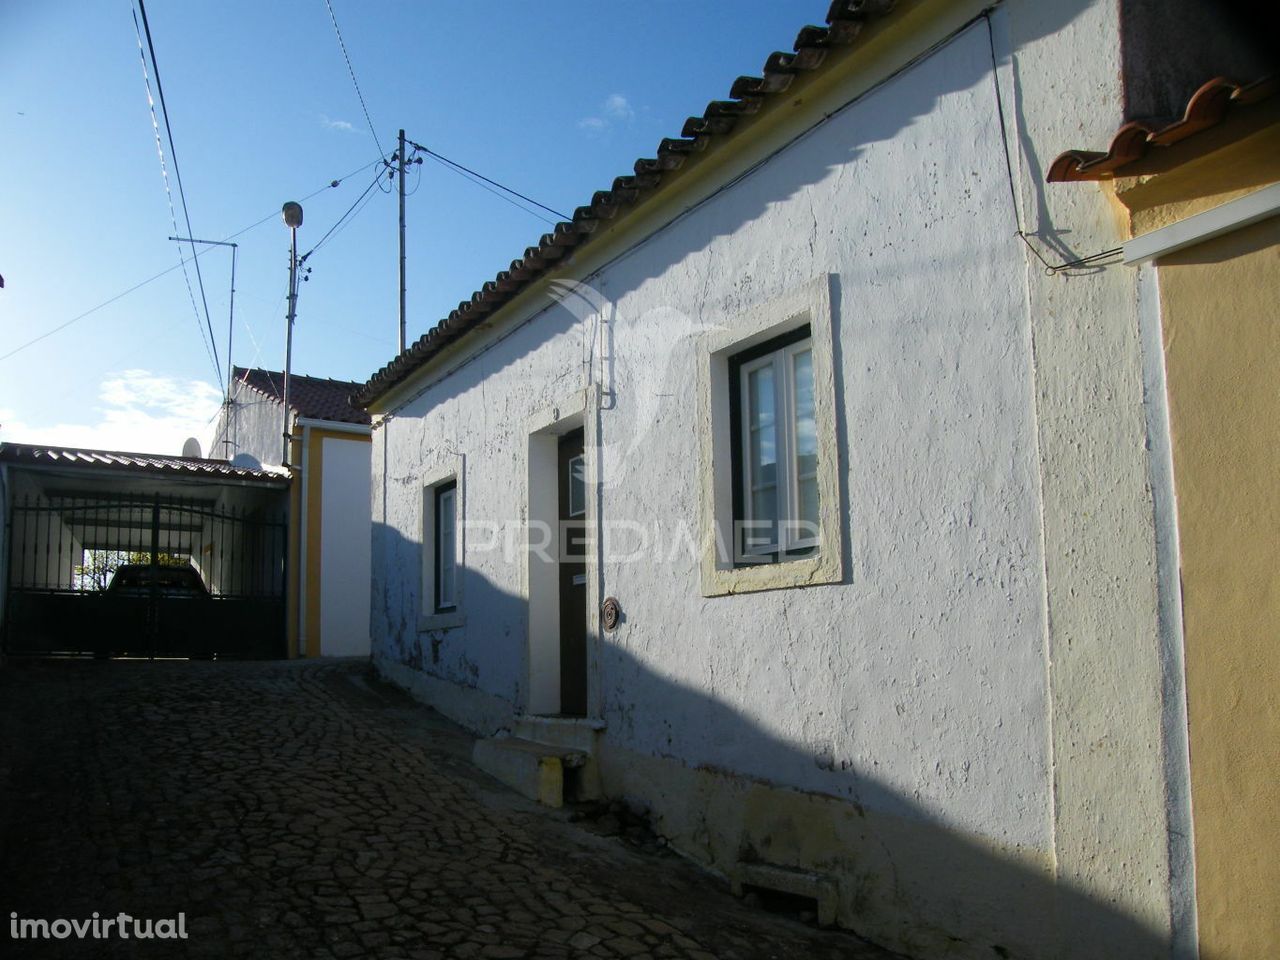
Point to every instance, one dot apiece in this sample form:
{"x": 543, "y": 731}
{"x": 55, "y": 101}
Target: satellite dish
{"x": 246, "y": 460}
{"x": 192, "y": 448}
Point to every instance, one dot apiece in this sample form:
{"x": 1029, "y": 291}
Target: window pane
{"x": 806, "y": 443}
{"x": 763, "y": 460}
{"x": 446, "y": 540}
{"x": 760, "y": 388}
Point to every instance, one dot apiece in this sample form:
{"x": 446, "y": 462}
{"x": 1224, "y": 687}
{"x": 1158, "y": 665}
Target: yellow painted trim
{"x": 315, "y": 524}
{"x": 293, "y": 579}
{"x": 1208, "y": 170}
{"x": 315, "y": 527}
{"x": 884, "y": 47}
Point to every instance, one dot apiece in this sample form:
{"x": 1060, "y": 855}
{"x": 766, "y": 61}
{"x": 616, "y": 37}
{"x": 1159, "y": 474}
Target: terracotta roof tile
{"x": 748, "y": 95}
{"x": 311, "y": 397}
{"x": 1207, "y": 108}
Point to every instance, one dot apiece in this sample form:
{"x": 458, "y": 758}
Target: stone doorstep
{"x": 533, "y": 769}
{"x": 580, "y": 733}
{"x": 801, "y": 883}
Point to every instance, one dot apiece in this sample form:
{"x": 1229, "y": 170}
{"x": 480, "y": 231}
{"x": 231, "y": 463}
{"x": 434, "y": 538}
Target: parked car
{"x": 137, "y": 580}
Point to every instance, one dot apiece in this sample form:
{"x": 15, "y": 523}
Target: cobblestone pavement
{"x": 302, "y": 809}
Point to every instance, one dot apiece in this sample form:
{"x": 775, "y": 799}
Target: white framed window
{"x": 775, "y": 461}
{"x": 771, "y": 510}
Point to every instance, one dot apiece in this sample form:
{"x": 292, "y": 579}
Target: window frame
{"x": 442, "y": 491}
{"x": 740, "y": 337}
{"x": 441, "y": 474}
{"x": 778, "y": 354}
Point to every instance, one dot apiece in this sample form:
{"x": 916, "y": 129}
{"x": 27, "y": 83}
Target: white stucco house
{"x": 867, "y": 593}
{"x": 328, "y": 459}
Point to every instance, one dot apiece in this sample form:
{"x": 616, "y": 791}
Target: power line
{"x": 181, "y": 263}
{"x": 164, "y": 176}
{"x": 497, "y": 193}
{"x": 321, "y": 242}
{"x": 177, "y": 174}
{"x": 355, "y": 83}
{"x": 315, "y": 193}
{"x": 459, "y": 167}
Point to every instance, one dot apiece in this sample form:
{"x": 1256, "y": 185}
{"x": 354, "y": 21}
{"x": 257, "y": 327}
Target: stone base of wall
{"x": 908, "y": 883}
{"x": 480, "y": 712}
{"x": 891, "y": 872}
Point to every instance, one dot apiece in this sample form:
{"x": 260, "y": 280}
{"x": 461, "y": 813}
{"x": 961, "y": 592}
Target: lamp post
{"x": 292, "y": 213}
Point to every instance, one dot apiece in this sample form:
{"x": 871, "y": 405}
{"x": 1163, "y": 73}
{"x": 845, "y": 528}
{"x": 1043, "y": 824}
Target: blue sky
{"x": 553, "y": 98}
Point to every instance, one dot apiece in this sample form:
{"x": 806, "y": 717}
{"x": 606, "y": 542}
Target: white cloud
{"x": 336, "y": 124}
{"x": 139, "y": 412}
{"x": 616, "y": 105}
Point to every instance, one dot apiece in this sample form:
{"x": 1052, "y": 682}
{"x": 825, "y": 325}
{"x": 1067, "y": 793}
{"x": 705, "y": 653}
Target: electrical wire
{"x": 496, "y": 193}
{"x": 417, "y": 181}
{"x": 257, "y": 347}
{"x": 339, "y": 227}
{"x": 355, "y": 83}
{"x": 181, "y": 263}
{"x": 168, "y": 192}
{"x": 1050, "y": 269}
{"x": 177, "y": 175}
{"x": 315, "y": 193}
{"x": 453, "y": 163}
{"x": 338, "y": 223}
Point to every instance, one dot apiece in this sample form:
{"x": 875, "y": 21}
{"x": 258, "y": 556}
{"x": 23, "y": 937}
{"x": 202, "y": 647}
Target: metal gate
{"x": 152, "y": 576}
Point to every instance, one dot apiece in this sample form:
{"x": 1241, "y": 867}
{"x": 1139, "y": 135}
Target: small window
{"x": 446, "y": 546}
{"x": 775, "y": 450}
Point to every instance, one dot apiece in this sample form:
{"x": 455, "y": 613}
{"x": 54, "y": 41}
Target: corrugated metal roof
{"x": 748, "y": 95}
{"x": 75, "y": 458}
{"x": 315, "y": 398}
{"x": 1207, "y": 108}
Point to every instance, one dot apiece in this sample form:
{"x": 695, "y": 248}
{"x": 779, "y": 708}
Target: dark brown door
{"x": 573, "y": 576}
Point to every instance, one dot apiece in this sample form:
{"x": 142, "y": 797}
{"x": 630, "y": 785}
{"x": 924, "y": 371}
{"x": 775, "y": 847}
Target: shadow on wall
{"x": 906, "y": 878}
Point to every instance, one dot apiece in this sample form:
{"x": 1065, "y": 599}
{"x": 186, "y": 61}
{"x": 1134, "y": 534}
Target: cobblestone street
{"x": 302, "y": 809}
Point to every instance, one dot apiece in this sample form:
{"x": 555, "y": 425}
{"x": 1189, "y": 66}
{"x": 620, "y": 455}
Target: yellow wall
{"x": 295, "y": 529}
{"x": 1220, "y": 305}
{"x": 314, "y": 521}
{"x": 313, "y": 516}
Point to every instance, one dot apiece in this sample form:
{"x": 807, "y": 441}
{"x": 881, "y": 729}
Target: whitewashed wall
{"x": 344, "y": 548}
{"x": 255, "y": 427}
{"x": 978, "y": 424}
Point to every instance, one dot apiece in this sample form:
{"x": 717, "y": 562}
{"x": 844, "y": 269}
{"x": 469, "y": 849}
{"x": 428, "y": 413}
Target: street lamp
{"x": 292, "y": 213}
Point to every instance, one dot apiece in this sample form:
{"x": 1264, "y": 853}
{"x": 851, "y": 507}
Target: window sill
{"x": 442, "y": 621}
{"x": 720, "y": 581}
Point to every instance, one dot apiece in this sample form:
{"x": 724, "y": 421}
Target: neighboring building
{"x": 865, "y": 426}
{"x": 329, "y": 535}
{"x": 1202, "y": 198}
{"x": 75, "y": 519}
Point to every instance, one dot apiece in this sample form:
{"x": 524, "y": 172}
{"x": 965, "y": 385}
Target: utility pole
{"x": 292, "y": 213}
{"x": 401, "y": 158}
